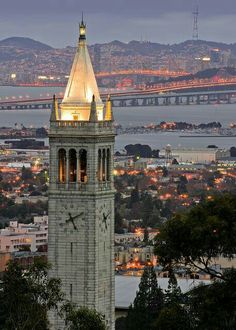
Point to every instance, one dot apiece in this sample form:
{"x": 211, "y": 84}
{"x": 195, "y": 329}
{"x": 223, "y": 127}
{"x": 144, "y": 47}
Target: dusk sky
{"x": 166, "y": 21}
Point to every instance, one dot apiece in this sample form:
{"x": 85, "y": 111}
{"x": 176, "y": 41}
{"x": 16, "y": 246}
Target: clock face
{"x": 71, "y": 216}
{"x": 104, "y": 217}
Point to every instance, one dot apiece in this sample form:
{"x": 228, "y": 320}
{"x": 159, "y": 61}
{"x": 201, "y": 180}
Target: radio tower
{"x": 195, "y": 23}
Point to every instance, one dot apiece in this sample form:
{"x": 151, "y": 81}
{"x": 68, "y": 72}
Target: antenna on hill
{"x": 195, "y": 23}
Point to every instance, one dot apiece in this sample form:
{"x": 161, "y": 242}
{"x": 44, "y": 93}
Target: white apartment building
{"x": 19, "y": 235}
{"x": 197, "y": 155}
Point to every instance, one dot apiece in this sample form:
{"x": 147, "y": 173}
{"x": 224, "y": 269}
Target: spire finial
{"x": 82, "y": 29}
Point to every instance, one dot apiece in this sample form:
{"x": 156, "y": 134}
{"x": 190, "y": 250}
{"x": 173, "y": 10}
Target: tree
{"x": 213, "y": 307}
{"x": 146, "y": 236}
{"x": 174, "y": 317}
{"x": 134, "y": 198}
{"x": 181, "y": 188}
{"x": 232, "y": 152}
{"x": 165, "y": 171}
{"x": 27, "y": 296}
{"x": 147, "y": 303}
{"x": 26, "y": 174}
{"x": 82, "y": 318}
{"x": 196, "y": 237}
{"x": 147, "y": 208}
{"x": 173, "y": 294}
{"x": 118, "y": 223}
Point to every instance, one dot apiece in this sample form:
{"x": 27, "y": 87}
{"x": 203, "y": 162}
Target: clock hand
{"x": 78, "y": 215}
{"x": 72, "y": 220}
{"x": 106, "y": 216}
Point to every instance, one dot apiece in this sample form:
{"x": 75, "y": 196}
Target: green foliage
{"x": 146, "y": 236}
{"x": 120, "y": 323}
{"x": 181, "y": 188}
{"x": 213, "y": 307}
{"x": 27, "y": 296}
{"x": 173, "y": 317}
{"x": 173, "y": 294}
{"x": 194, "y": 238}
{"x": 134, "y": 198}
{"x": 82, "y": 318}
{"x": 147, "y": 208}
{"x": 147, "y": 304}
{"x": 165, "y": 171}
{"x": 139, "y": 150}
{"x": 118, "y": 223}
{"x": 24, "y": 210}
{"x": 26, "y": 174}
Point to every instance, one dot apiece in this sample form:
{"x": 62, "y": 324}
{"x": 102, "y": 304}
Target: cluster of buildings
{"x": 81, "y": 198}
{"x": 109, "y": 57}
{"x": 24, "y": 237}
{"x": 178, "y": 158}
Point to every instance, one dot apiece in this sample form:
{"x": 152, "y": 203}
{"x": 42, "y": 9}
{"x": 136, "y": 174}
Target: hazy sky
{"x": 166, "y": 21}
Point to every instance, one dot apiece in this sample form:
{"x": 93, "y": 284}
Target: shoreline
{"x": 207, "y": 136}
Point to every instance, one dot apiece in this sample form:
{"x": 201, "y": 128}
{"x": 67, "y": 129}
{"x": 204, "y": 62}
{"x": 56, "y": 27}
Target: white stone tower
{"x": 81, "y": 195}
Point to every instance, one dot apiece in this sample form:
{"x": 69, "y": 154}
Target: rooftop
{"x": 127, "y": 286}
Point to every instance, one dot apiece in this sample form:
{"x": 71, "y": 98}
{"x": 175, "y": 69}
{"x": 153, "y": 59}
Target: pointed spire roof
{"x": 82, "y": 84}
{"x": 93, "y": 111}
{"x": 54, "y": 111}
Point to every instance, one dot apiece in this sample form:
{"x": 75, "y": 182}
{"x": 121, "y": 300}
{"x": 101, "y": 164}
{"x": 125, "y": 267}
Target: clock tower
{"x": 81, "y": 195}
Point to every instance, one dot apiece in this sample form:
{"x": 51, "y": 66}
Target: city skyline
{"x": 165, "y": 22}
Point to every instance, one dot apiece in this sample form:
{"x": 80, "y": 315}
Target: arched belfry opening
{"x": 72, "y": 165}
{"x": 99, "y": 165}
{"x": 83, "y": 165}
{"x": 104, "y": 165}
{"x": 62, "y": 165}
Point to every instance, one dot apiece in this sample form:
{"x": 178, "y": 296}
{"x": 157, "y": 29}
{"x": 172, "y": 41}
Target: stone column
{"x": 67, "y": 168}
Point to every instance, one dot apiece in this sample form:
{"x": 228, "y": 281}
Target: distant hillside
{"x": 147, "y": 48}
{"x": 29, "y": 58}
{"x": 24, "y": 43}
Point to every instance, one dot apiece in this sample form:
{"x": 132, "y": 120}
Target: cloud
{"x": 166, "y": 21}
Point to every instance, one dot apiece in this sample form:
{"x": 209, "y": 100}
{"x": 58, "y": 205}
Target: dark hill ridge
{"x": 132, "y": 46}
{"x": 24, "y": 43}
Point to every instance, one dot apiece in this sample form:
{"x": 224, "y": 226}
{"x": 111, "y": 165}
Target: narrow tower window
{"x": 83, "y": 165}
{"x": 62, "y": 165}
{"x": 99, "y": 165}
{"x": 104, "y": 165}
{"x": 71, "y": 292}
{"x": 108, "y": 164}
{"x": 71, "y": 248}
{"x": 72, "y": 165}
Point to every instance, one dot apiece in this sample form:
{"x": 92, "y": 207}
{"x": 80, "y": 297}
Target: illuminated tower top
{"x": 81, "y": 85}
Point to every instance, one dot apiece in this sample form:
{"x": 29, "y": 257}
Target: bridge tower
{"x": 81, "y": 195}
{"x": 195, "y": 23}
